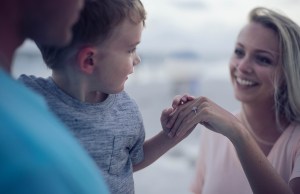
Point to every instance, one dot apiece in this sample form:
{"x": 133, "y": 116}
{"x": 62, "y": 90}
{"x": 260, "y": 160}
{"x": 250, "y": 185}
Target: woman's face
{"x": 253, "y": 64}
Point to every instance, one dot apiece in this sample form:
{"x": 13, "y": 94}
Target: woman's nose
{"x": 244, "y": 65}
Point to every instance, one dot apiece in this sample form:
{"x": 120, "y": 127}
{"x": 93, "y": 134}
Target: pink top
{"x": 219, "y": 169}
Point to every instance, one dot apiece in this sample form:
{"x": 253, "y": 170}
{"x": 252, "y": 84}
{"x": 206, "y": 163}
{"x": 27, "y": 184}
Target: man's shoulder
{"x": 17, "y": 93}
{"x": 30, "y": 79}
{"x": 38, "y": 84}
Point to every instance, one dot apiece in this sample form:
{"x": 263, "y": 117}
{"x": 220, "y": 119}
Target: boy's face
{"x": 116, "y": 58}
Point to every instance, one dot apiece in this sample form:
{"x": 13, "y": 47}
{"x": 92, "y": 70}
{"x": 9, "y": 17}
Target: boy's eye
{"x": 132, "y": 50}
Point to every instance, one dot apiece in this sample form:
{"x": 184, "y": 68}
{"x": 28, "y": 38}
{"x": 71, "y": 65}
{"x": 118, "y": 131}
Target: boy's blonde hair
{"x": 96, "y": 22}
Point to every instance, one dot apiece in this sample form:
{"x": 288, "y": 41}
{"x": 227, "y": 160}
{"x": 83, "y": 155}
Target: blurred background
{"x": 185, "y": 48}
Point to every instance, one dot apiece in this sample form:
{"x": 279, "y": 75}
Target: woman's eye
{"x": 239, "y": 52}
{"x": 263, "y": 60}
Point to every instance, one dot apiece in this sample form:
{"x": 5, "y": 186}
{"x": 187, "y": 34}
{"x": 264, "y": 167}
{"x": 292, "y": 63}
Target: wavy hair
{"x": 287, "y": 76}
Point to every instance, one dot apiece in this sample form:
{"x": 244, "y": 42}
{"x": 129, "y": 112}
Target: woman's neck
{"x": 262, "y": 125}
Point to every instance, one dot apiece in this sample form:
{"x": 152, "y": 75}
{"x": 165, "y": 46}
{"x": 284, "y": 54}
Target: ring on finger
{"x": 194, "y": 109}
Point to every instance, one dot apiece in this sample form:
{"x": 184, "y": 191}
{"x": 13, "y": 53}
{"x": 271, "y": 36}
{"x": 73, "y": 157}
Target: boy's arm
{"x": 158, "y": 145}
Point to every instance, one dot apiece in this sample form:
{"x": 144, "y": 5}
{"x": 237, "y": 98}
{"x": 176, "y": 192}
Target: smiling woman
{"x": 260, "y": 144}
{"x": 254, "y": 64}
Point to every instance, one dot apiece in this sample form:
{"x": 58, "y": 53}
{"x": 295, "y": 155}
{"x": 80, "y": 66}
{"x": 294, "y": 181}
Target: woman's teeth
{"x": 244, "y": 82}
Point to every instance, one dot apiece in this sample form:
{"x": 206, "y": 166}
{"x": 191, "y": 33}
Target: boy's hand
{"x": 167, "y": 113}
{"x": 181, "y": 99}
{"x": 165, "y": 116}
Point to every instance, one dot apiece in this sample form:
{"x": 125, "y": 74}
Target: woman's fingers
{"x": 181, "y": 99}
{"x": 199, "y": 113}
{"x": 182, "y": 114}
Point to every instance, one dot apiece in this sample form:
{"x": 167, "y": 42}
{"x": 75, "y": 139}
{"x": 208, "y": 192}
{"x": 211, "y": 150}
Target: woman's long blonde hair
{"x": 287, "y": 78}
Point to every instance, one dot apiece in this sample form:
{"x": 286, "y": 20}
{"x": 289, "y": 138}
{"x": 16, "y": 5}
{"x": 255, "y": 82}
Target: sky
{"x": 206, "y": 27}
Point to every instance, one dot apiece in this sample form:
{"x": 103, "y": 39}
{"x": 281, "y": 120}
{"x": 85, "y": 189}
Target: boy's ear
{"x": 86, "y": 59}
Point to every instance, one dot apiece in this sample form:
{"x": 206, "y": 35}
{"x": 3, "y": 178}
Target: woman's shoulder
{"x": 288, "y": 143}
{"x": 292, "y": 131}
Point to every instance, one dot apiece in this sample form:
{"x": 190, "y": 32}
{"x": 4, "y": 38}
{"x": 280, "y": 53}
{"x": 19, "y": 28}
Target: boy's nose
{"x": 137, "y": 60}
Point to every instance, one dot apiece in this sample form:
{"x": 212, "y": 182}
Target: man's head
{"x": 96, "y": 24}
{"x": 49, "y": 22}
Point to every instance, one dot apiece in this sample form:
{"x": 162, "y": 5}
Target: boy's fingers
{"x": 180, "y": 113}
{"x": 181, "y": 99}
{"x": 191, "y": 97}
{"x": 164, "y": 119}
{"x": 176, "y": 101}
{"x": 185, "y": 115}
{"x": 166, "y": 114}
{"x": 180, "y": 117}
{"x": 173, "y": 118}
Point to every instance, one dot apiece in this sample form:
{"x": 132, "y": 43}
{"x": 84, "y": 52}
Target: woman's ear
{"x": 86, "y": 59}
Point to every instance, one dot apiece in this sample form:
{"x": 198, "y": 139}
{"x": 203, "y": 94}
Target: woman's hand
{"x": 204, "y": 111}
{"x": 167, "y": 113}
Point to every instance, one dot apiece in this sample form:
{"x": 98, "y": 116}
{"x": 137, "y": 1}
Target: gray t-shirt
{"x": 111, "y": 131}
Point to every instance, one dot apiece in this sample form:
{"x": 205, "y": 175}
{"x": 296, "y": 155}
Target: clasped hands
{"x": 187, "y": 111}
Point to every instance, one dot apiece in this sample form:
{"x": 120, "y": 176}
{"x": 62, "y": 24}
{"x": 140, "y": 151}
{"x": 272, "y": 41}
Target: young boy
{"x": 86, "y": 90}
{"x": 38, "y": 155}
